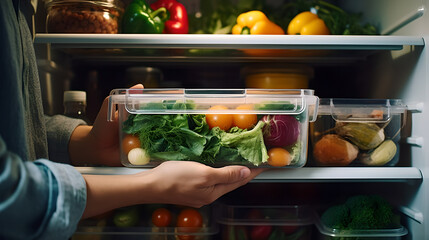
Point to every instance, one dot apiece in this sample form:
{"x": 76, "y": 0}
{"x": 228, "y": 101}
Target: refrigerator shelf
{"x": 325, "y": 49}
{"x": 228, "y": 41}
{"x": 305, "y": 174}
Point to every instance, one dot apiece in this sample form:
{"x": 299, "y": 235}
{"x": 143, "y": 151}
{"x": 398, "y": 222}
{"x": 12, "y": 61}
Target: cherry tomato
{"x": 260, "y": 232}
{"x": 278, "y": 157}
{"x": 244, "y": 121}
{"x": 161, "y": 217}
{"x": 130, "y": 142}
{"x": 189, "y": 217}
{"x": 189, "y": 220}
{"x": 223, "y": 121}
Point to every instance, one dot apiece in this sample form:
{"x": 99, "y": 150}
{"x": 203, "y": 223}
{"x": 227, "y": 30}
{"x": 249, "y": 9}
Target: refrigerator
{"x": 391, "y": 65}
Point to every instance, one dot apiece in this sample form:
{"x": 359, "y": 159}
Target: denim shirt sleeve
{"x": 38, "y": 200}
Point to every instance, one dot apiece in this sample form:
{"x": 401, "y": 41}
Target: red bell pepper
{"x": 178, "y": 21}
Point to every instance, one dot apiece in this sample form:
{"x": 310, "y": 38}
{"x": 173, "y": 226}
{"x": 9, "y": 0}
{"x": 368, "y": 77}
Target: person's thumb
{"x": 231, "y": 174}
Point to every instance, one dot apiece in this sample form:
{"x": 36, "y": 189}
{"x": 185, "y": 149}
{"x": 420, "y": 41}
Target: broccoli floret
{"x": 364, "y": 212}
{"x": 336, "y": 217}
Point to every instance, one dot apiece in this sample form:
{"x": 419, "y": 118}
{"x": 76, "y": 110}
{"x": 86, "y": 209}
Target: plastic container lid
{"x": 281, "y": 101}
{"x": 278, "y": 215}
{"x": 361, "y": 110}
{"x": 74, "y": 96}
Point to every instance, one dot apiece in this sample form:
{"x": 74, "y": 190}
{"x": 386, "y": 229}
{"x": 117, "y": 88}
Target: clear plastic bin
{"x": 266, "y": 222}
{"x": 218, "y": 127}
{"x": 327, "y": 233}
{"x": 136, "y": 222}
{"x": 357, "y": 132}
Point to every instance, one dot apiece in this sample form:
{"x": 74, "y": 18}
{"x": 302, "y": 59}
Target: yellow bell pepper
{"x": 255, "y": 22}
{"x": 307, "y": 23}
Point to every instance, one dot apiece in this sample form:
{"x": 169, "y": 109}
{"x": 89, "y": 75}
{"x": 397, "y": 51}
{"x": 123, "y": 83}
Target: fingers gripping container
{"x": 217, "y": 127}
{"x": 357, "y": 132}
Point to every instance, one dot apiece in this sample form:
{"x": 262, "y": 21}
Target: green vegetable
{"x": 361, "y": 212}
{"x": 140, "y": 18}
{"x": 365, "y": 136}
{"x": 126, "y": 217}
{"x": 250, "y": 144}
{"x": 219, "y": 16}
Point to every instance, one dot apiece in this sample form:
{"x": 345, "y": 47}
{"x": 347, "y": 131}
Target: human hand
{"x": 194, "y": 184}
{"x": 99, "y": 143}
{"x": 172, "y": 182}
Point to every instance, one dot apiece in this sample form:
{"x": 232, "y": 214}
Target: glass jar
{"x": 83, "y": 16}
{"x": 291, "y": 76}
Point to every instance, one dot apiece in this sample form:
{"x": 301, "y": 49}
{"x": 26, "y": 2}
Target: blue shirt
{"x": 39, "y": 199}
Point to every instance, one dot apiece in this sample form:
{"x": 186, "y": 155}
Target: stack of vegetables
{"x": 349, "y": 141}
{"x": 214, "y": 138}
{"x": 302, "y": 17}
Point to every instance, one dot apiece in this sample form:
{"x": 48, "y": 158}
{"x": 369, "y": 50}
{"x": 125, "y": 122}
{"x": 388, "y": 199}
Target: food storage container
{"x": 292, "y": 76}
{"x": 266, "y": 222}
{"x": 151, "y": 221}
{"x": 357, "y": 132}
{"x": 391, "y": 231}
{"x": 83, "y": 16}
{"x": 217, "y": 127}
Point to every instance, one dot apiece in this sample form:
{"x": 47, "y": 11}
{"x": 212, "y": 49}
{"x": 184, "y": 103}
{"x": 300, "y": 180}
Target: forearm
{"x": 79, "y": 147}
{"x": 107, "y": 192}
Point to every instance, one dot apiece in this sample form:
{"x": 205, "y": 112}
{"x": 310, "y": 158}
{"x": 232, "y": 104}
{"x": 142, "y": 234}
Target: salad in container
{"x": 217, "y": 127}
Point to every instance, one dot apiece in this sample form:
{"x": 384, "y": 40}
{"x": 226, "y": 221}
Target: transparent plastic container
{"x": 357, "y": 132}
{"x": 327, "y": 233}
{"x": 136, "y": 222}
{"x": 266, "y": 222}
{"x": 186, "y": 124}
{"x": 83, "y": 16}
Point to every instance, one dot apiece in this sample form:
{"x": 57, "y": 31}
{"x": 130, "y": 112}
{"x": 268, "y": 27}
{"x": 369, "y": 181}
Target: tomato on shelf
{"x": 130, "y": 142}
{"x": 260, "y": 232}
{"x": 189, "y": 220}
{"x": 223, "y": 121}
{"x": 161, "y": 217}
{"x": 244, "y": 121}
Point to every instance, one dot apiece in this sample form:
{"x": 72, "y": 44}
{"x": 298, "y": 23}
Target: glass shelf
{"x": 305, "y": 174}
{"x": 223, "y": 48}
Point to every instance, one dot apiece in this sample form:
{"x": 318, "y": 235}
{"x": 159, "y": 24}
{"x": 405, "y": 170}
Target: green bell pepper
{"x": 140, "y": 18}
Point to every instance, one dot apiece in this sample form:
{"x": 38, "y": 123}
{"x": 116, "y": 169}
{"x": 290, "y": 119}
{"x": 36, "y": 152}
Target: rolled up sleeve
{"x": 38, "y": 200}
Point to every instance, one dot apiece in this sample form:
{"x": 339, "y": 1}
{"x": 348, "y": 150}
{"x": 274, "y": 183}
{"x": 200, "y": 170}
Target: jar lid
{"x": 105, "y": 3}
{"x": 74, "y": 96}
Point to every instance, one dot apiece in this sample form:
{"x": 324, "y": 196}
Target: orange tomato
{"x": 129, "y": 142}
{"x": 278, "y": 157}
{"x": 223, "y": 121}
{"x": 244, "y": 121}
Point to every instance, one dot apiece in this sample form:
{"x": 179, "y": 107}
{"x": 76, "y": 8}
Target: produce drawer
{"x": 360, "y": 217}
{"x": 151, "y": 222}
{"x": 357, "y": 132}
{"x": 266, "y": 222}
{"x": 218, "y": 127}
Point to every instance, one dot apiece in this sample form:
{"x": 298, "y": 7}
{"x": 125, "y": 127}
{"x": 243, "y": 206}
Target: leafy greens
{"x": 188, "y": 137}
